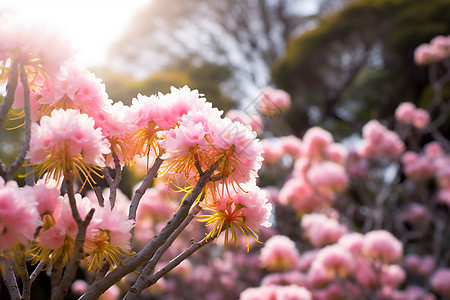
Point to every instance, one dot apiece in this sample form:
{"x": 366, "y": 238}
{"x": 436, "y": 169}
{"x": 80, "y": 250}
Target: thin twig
{"x": 181, "y": 257}
{"x": 78, "y": 251}
{"x": 10, "y": 279}
{"x": 144, "y": 278}
{"x": 148, "y": 180}
{"x": 132, "y": 263}
{"x": 10, "y": 92}
{"x": 26, "y": 144}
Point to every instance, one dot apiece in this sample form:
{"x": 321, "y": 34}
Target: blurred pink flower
{"x": 79, "y": 287}
{"x": 337, "y": 260}
{"x": 421, "y": 118}
{"x": 439, "y": 282}
{"x": 352, "y": 242}
{"x": 405, "y": 112}
{"x": 315, "y": 143}
{"x": 279, "y": 254}
{"x": 19, "y": 217}
{"x": 321, "y": 230}
{"x": 382, "y": 245}
{"x": 392, "y": 275}
{"x": 286, "y": 278}
{"x": 254, "y": 120}
{"x": 273, "y": 101}
{"x": 413, "y": 292}
{"x": 291, "y": 145}
{"x": 327, "y": 177}
{"x": 378, "y": 141}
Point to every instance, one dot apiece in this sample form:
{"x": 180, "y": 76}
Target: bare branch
{"x": 131, "y": 264}
{"x": 26, "y": 144}
{"x": 10, "y": 279}
{"x": 144, "y": 278}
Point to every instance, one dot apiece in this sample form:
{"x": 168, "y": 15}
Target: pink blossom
{"x": 321, "y": 230}
{"x": 379, "y": 141}
{"x": 318, "y": 276}
{"x": 336, "y": 260}
{"x": 352, "y": 242}
{"x": 112, "y": 293}
{"x": 269, "y": 292}
{"x": 315, "y": 142}
{"x": 433, "y": 150}
{"x": 416, "y": 213}
{"x": 27, "y": 41}
{"x": 337, "y": 153}
{"x": 254, "y": 120}
{"x": 412, "y": 292}
{"x": 272, "y": 101}
{"x": 232, "y": 211}
{"x": 272, "y": 151}
{"x": 418, "y": 167}
{"x": 327, "y": 177}
{"x": 64, "y": 136}
{"x": 427, "y": 54}
{"x": 443, "y": 172}
{"x": 382, "y": 245}
{"x": 18, "y": 215}
{"x": 306, "y": 259}
{"x": 302, "y": 197}
{"x": 405, "y": 112}
{"x": 427, "y": 265}
{"x": 439, "y": 282}
{"x": 365, "y": 273}
{"x": 286, "y": 278}
{"x": 444, "y": 196}
{"x": 279, "y": 254}
{"x": 421, "y": 118}
{"x": 291, "y": 145}
{"x": 392, "y": 275}
{"x": 412, "y": 262}
{"x": 357, "y": 166}
{"x": 47, "y": 197}
{"x": 79, "y": 287}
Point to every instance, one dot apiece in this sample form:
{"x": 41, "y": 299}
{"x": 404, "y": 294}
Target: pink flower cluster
{"x": 108, "y": 228}
{"x": 432, "y": 163}
{"x": 378, "y": 141}
{"x": 269, "y": 292}
{"x": 438, "y": 49}
{"x": 27, "y": 42}
{"x": 407, "y": 113}
{"x": 279, "y": 254}
{"x": 322, "y": 230}
{"x": 273, "y": 101}
{"x": 275, "y": 148}
{"x": 18, "y": 215}
{"x": 319, "y": 173}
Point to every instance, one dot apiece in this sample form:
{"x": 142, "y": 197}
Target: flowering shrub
{"x": 361, "y": 222}
{"x": 75, "y": 135}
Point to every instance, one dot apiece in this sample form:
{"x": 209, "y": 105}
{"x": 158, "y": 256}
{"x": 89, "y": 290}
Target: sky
{"x": 91, "y": 25}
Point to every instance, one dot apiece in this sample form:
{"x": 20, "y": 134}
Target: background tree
{"x": 358, "y": 64}
{"x": 246, "y": 36}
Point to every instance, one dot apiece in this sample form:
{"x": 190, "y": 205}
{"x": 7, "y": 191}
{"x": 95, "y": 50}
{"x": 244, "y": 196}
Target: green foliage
{"x": 358, "y": 63}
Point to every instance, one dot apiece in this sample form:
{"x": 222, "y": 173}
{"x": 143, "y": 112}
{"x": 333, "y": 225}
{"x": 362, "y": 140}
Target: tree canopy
{"x": 358, "y": 63}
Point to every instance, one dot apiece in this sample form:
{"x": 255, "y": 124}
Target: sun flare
{"x": 90, "y": 25}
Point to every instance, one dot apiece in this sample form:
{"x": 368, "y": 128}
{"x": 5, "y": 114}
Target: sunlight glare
{"x": 91, "y": 25}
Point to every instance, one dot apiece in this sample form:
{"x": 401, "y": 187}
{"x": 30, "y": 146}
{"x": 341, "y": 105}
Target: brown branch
{"x": 144, "y": 278}
{"x": 78, "y": 251}
{"x": 26, "y": 144}
{"x": 10, "y": 279}
{"x": 131, "y": 264}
